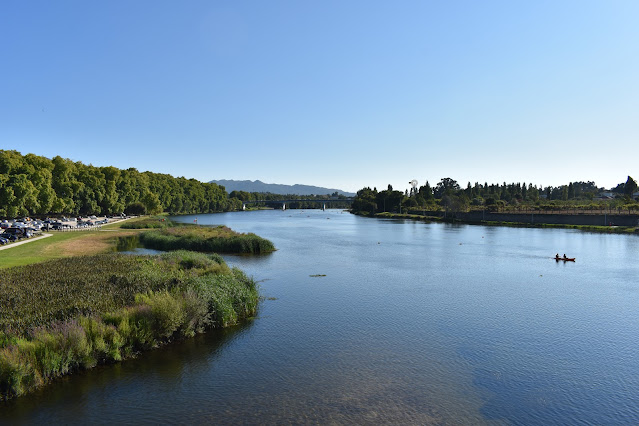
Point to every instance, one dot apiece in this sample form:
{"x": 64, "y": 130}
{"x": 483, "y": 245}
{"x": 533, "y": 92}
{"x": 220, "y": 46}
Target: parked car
{"x": 10, "y": 237}
{"x": 3, "y": 241}
{"x": 16, "y": 230}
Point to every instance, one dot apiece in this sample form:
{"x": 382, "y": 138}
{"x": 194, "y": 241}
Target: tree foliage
{"x": 630, "y": 187}
{"x": 448, "y": 195}
{"x": 32, "y": 185}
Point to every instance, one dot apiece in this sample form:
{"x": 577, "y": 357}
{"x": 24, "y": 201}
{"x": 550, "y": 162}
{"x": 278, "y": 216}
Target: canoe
{"x": 565, "y": 259}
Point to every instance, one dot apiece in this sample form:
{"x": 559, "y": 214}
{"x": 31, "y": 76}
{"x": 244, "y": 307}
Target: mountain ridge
{"x": 276, "y": 188}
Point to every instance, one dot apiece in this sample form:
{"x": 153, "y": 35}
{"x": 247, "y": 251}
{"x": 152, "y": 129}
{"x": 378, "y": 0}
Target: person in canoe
{"x": 557, "y": 256}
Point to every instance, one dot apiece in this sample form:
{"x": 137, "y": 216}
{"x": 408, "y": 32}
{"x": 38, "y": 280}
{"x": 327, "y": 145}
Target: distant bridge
{"x": 284, "y": 202}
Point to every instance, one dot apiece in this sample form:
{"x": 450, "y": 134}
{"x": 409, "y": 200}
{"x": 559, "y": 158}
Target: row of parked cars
{"x": 72, "y": 223}
{"x": 11, "y": 234}
{"x": 14, "y": 230}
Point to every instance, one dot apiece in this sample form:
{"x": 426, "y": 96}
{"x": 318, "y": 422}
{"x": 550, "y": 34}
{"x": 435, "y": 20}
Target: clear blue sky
{"x": 342, "y": 94}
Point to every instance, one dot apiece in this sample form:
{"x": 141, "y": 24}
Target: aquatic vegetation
{"x": 75, "y": 313}
{"x": 151, "y": 222}
{"x": 218, "y": 239}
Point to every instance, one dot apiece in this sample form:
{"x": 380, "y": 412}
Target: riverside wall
{"x": 537, "y": 218}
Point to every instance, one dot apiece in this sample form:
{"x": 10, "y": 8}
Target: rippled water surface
{"x": 412, "y": 323}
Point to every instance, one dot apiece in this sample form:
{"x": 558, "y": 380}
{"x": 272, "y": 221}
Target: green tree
{"x": 630, "y": 187}
{"x": 136, "y": 208}
{"x": 151, "y": 202}
{"x": 446, "y": 186}
{"x": 364, "y": 201}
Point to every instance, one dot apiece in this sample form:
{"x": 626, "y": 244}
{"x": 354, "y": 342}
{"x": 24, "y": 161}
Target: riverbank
{"x": 536, "y": 222}
{"x": 66, "y": 244}
{"x": 72, "y": 314}
{"x": 70, "y": 303}
{"x": 164, "y": 234}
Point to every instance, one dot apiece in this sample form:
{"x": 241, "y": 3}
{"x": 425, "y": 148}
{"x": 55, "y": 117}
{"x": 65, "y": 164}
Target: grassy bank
{"x": 106, "y": 239}
{"x": 61, "y": 245}
{"x": 150, "y": 222}
{"x": 589, "y": 228}
{"x": 69, "y": 314}
{"x": 218, "y": 239}
{"x": 67, "y": 244}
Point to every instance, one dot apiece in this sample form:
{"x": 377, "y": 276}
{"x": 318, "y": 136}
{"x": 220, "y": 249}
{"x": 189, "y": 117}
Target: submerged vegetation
{"x": 69, "y": 314}
{"x": 218, "y": 239}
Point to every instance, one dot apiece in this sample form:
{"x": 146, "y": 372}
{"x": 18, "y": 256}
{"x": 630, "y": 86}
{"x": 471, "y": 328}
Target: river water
{"x": 408, "y": 323}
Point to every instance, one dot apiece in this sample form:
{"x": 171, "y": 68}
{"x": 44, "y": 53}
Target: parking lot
{"x": 20, "y": 231}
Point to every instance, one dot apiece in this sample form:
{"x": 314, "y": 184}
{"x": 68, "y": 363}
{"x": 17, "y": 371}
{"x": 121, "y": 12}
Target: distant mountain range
{"x": 274, "y": 188}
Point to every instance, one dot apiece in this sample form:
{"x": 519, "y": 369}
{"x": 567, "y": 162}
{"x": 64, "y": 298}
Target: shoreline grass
{"x": 71, "y": 314}
{"x": 69, "y": 303}
{"x": 218, "y": 239}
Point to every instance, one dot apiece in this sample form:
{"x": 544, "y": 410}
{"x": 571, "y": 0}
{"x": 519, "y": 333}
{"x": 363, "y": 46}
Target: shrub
{"x": 167, "y": 312}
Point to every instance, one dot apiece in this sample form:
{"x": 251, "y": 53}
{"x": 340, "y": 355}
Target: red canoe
{"x": 565, "y": 259}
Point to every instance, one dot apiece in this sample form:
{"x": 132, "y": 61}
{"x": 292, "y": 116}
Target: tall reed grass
{"x": 145, "y": 302}
{"x": 206, "y": 239}
{"x": 151, "y": 222}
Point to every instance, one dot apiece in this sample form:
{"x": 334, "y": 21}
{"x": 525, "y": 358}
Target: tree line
{"x": 450, "y": 195}
{"x": 32, "y": 185}
{"x": 337, "y": 200}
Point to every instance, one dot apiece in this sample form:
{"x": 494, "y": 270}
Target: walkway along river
{"x": 392, "y": 322}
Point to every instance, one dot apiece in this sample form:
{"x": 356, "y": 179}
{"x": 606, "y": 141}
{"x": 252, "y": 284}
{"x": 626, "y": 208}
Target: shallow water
{"x": 413, "y": 323}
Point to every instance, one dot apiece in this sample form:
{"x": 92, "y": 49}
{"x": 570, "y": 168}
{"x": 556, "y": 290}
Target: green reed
{"x": 71, "y": 314}
{"x": 206, "y": 239}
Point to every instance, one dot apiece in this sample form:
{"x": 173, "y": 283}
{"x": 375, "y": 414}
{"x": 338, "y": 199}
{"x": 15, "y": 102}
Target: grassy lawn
{"x": 65, "y": 244}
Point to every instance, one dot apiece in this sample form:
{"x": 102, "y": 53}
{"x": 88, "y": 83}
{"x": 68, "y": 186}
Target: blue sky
{"x": 342, "y": 94}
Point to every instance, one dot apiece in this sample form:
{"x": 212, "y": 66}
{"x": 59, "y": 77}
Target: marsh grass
{"x": 152, "y": 222}
{"x": 70, "y": 314}
{"x": 218, "y": 239}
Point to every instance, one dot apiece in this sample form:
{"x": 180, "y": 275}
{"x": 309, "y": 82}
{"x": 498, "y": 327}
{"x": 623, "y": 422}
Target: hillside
{"x": 274, "y": 188}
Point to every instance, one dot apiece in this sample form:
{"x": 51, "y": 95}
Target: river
{"x": 368, "y": 321}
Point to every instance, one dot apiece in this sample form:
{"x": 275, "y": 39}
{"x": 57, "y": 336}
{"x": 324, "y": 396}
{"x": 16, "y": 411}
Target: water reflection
{"x": 123, "y": 392}
{"x": 128, "y": 243}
